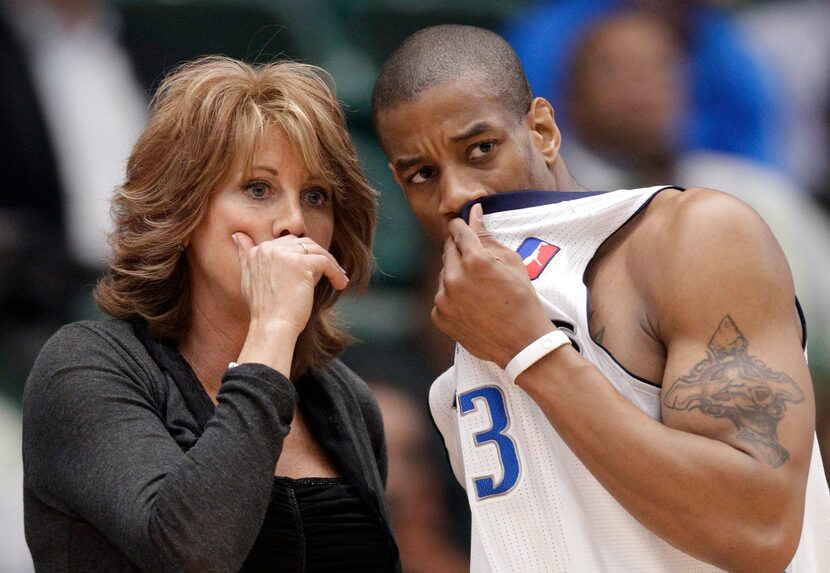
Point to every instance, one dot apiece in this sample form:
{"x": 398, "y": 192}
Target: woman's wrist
{"x": 271, "y": 343}
{"x": 274, "y": 327}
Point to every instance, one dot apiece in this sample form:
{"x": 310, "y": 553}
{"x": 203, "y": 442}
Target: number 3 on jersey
{"x": 493, "y": 398}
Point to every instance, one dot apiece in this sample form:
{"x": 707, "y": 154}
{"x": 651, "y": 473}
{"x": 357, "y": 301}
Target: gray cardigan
{"x": 129, "y": 466}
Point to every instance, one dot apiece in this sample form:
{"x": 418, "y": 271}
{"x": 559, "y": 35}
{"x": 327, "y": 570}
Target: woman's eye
{"x": 258, "y": 190}
{"x": 316, "y": 197}
{"x": 482, "y": 149}
{"x": 422, "y": 175}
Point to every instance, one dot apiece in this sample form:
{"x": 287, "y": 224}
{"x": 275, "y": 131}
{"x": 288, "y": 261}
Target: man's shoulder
{"x": 695, "y": 218}
{"x": 674, "y": 201}
{"x": 699, "y": 237}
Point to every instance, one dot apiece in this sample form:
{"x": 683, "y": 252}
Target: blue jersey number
{"x": 493, "y": 397}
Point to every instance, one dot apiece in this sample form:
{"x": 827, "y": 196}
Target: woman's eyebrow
{"x": 271, "y": 170}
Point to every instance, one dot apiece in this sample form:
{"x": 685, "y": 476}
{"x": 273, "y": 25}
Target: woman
{"x": 152, "y": 441}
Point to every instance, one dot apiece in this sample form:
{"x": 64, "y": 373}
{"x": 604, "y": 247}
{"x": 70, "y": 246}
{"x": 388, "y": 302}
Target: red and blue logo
{"x": 536, "y": 254}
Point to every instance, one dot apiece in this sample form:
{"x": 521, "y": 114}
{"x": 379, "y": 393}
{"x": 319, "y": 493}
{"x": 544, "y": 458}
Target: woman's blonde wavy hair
{"x": 205, "y": 116}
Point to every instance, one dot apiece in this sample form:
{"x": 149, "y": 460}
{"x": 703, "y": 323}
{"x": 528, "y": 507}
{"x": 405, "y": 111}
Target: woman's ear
{"x": 545, "y": 132}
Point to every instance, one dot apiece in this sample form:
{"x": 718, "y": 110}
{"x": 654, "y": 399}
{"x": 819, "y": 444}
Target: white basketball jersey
{"x": 535, "y": 506}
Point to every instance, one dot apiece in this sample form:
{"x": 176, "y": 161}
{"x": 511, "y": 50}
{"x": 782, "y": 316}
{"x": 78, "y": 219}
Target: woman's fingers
{"x": 311, "y": 256}
{"x": 244, "y": 243}
{"x": 323, "y": 265}
{"x": 310, "y": 247}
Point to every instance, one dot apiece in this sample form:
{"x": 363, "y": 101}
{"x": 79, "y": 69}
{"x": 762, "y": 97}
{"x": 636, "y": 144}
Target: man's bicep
{"x": 735, "y": 368}
{"x": 749, "y": 389}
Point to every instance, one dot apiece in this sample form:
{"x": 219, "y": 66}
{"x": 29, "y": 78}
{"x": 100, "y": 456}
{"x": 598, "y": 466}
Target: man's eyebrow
{"x": 407, "y": 162}
{"x": 475, "y": 129}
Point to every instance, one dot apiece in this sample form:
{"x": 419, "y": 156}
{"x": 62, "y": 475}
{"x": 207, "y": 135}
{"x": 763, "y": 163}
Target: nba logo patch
{"x": 536, "y": 254}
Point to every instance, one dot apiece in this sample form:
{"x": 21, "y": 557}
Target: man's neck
{"x": 562, "y": 178}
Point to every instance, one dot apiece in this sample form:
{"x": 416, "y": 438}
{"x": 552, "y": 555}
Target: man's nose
{"x": 290, "y": 220}
{"x": 457, "y": 191}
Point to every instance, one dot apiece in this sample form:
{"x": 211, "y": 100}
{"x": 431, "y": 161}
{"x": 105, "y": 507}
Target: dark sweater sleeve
{"x": 372, "y": 417}
{"x": 374, "y": 424}
{"x": 96, "y": 448}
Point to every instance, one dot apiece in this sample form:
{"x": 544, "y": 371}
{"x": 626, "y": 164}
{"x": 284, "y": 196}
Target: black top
{"x": 128, "y": 466}
{"x": 318, "y": 525}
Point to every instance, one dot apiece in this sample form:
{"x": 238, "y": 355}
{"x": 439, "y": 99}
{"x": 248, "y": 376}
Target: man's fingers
{"x": 477, "y": 222}
{"x": 451, "y": 257}
{"x": 473, "y": 235}
{"x": 463, "y": 236}
{"x": 477, "y": 226}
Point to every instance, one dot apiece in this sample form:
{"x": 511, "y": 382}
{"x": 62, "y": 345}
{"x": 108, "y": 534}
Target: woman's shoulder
{"x": 115, "y": 328}
{"x": 91, "y": 346}
{"x": 336, "y": 371}
{"x": 103, "y": 336}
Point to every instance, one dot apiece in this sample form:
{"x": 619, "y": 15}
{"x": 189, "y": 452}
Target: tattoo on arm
{"x": 730, "y": 383}
{"x": 599, "y": 334}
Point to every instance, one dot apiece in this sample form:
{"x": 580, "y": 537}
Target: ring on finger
{"x": 304, "y": 248}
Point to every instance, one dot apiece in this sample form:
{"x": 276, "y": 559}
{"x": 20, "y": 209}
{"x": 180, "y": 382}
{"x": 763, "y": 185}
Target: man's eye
{"x": 422, "y": 175}
{"x": 316, "y": 197}
{"x": 482, "y": 149}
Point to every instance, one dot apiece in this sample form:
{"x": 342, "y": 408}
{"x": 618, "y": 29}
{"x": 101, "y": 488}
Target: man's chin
{"x": 439, "y": 237}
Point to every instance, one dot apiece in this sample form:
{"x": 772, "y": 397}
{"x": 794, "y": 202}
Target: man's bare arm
{"x": 697, "y": 480}
{"x": 732, "y": 384}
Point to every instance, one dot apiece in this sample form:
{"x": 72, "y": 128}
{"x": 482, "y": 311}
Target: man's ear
{"x": 545, "y": 132}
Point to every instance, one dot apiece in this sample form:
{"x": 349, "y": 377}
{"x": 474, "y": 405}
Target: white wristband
{"x": 534, "y": 351}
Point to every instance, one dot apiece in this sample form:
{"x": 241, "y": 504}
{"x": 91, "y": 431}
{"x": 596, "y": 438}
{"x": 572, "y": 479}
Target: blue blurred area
{"x": 733, "y": 102}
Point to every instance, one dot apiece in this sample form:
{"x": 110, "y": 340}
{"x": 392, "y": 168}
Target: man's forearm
{"x": 709, "y": 499}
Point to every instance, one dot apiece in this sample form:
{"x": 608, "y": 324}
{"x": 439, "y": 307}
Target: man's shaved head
{"x": 451, "y": 53}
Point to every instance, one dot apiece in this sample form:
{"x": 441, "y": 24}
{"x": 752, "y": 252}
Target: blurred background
{"x": 728, "y": 94}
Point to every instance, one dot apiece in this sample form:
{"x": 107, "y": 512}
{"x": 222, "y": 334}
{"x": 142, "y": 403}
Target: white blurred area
{"x": 94, "y": 107}
{"x": 14, "y": 555}
{"x": 791, "y": 39}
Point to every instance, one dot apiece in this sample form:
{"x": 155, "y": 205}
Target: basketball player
{"x": 630, "y": 391}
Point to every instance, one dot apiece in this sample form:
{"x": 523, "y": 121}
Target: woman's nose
{"x": 290, "y": 221}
